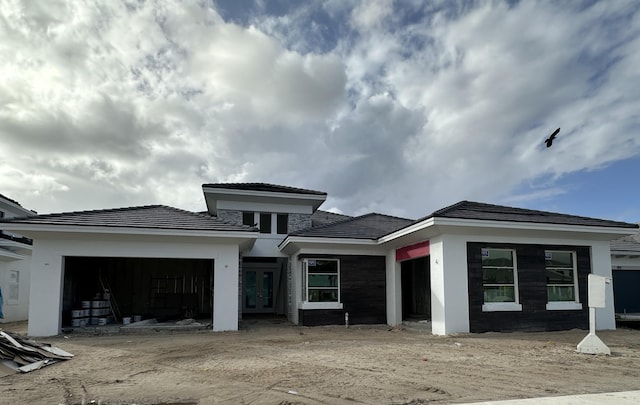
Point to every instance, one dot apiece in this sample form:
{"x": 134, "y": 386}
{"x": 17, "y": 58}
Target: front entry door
{"x": 258, "y": 291}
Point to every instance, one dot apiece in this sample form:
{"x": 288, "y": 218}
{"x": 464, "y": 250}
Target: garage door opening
{"x": 164, "y": 289}
{"x": 416, "y": 289}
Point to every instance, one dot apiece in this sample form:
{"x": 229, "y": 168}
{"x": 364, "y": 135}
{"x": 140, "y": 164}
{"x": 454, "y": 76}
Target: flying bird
{"x": 549, "y": 140}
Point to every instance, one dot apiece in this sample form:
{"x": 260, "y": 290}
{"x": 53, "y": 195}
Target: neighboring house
{"x": 15, "y": 261}
{"x": 263, "y": 248}
{"x": 625, "y": 261}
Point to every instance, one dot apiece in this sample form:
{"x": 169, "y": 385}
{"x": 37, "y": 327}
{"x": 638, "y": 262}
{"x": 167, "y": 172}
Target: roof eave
{"x": 292, "y": 243}
{"x": 30, "y": 229}
{"x": 612, "y": 232}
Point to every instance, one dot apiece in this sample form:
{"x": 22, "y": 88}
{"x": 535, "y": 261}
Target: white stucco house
{"x": 15, "y": 264}
{"x": 268, "y": 249}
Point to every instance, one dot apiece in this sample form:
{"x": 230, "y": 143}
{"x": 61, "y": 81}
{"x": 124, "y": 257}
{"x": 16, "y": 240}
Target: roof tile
{"x": 263, "y": 187}
{"x": 148, "y": 217}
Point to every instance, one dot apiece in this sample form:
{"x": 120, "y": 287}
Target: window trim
{"x": 504, "y": 306}
{"x": 565, "y": 305}
{"x": 305, "y": 303}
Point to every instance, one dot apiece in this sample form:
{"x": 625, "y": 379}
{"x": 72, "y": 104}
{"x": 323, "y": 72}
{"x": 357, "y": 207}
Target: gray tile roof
{"x": 490, "y": 212}
{"x": 629, "y": 243}
{"x": 145, "y": 217}
{"x": 369, "y": 226}
{"x": 10, "y": 200}
{"x": 322, "y": 218}
{"x": 264, "y": 187}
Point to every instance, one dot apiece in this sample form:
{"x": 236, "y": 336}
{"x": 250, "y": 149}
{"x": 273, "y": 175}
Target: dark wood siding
{"x": 362, "y": 293}
{"x": 532, "y": 286}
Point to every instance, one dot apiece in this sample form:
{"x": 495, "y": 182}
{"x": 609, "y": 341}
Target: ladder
{"x": 106, "y": 290}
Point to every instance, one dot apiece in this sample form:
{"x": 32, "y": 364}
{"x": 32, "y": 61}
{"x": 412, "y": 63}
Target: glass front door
{"x": 258, "y": 291}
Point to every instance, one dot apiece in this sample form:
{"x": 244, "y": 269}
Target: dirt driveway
{"x": 323, "y": 365}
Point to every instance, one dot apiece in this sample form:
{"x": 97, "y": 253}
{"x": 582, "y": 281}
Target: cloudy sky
{"x": 396, "y": 107}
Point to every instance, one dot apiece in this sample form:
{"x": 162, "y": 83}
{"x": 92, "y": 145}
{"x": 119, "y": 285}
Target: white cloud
{"x": 395, "y": 107}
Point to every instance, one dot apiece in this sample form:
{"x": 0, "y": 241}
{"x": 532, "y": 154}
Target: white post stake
{"x": 592, "y": 344}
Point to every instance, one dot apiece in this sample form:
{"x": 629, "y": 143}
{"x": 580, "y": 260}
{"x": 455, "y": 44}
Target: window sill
{"x": 320, "y": 305}
{"x": 501, "y": 307}
{"x": 563, "y": 305}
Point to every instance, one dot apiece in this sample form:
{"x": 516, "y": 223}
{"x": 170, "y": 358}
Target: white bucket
{"x": 102, "y": 321}
{"x": 137, "y": 318}
{"x": 86, "y": 304}
{"x": 77, "y": 313}
{"x": 126, "y": 320}
{"x": 76, "y": 322}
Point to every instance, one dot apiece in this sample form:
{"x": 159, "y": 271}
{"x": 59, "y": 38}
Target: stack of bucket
{"x": 94, "y": 312}
{"x": 100, "y": 312}
{"x": 81, "y": 317}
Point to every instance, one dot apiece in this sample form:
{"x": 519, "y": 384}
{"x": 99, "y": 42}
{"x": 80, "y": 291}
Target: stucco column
{"x": 295, "y": 268}
{"x": 225, "y": 290}
{"x": 601, "y": 265}
{"x": 449, "y": 285}
{"x": 394, "y": 289}
{"x": 45, "y": 297}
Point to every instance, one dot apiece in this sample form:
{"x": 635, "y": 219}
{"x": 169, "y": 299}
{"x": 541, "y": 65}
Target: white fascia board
{"x": 624, "y": 253}
{"x": 7, "y": 254}
{"x": 533, "y": 226}
{"x": 301, "y": 240}
{"x": 615, "y": 232}
{"x": 271, "y": 194}
{"x": 14, "y": 244}
{"x": 27, "y": 228}
{"x": 427, "y": 223}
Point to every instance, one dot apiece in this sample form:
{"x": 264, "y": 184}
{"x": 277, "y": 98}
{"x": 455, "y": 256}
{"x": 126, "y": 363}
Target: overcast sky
{"x": 394, "y": 107}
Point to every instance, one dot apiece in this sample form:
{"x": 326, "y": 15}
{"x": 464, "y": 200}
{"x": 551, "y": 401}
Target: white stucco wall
{"x": 15, "y": 310}
{"x": 449, "y": 286}
{"x": 47, "y": 266}
{"x": 394, "y": 289}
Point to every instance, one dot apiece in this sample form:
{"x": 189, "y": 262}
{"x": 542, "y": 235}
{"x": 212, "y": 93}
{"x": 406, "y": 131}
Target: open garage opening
{"x": 114, "y": 288}
{"x": 416, "y": 290}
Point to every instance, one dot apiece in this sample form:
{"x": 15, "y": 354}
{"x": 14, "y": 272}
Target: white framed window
{"x": 500, "y": 280}
{"x": 562, "y": 280}
{"x": 321, "y": 284}
{"x": 13, "y": 287}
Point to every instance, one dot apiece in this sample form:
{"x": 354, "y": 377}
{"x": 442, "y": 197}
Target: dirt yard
{"x": 284, "y": 364}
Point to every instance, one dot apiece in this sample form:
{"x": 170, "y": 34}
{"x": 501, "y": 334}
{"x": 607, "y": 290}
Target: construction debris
{"x": 19, "y": 354}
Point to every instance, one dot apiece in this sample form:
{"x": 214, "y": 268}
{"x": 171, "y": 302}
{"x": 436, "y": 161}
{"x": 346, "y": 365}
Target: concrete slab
{"x": 608, "y": 398}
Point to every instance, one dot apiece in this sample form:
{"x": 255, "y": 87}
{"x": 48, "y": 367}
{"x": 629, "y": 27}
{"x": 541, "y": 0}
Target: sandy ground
{"x": 285, "y": 364}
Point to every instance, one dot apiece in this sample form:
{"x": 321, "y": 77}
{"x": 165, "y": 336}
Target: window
{"x": 321, "y": 283}
{"x": 13, "y": 284}
{"x": 562, "y": 279}
{"x": 500, "y": 280}
{"x": 283, "y": 224}
{"x": 248, "y": 219}
{"x": 265, "y": 222}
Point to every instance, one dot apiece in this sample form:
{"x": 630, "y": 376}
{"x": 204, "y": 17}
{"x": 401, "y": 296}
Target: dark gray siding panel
{"x": 533, "y": 291}
{"x": 362, "y": 292}
{"x": 626, "y": 288}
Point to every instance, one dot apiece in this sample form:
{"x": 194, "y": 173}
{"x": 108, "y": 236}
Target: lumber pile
{"x": 19, "y": 354}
